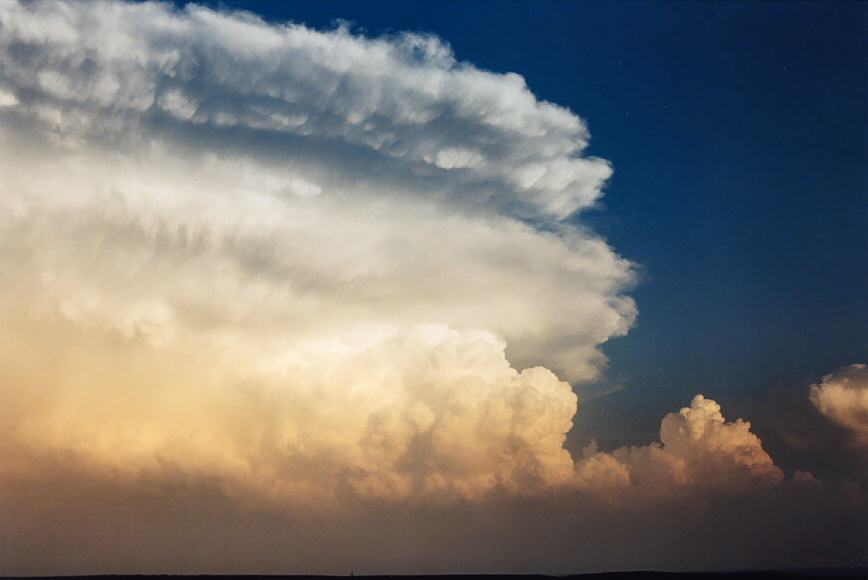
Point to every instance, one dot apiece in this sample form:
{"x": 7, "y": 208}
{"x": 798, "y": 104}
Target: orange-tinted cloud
{"x": 843, "y": 397}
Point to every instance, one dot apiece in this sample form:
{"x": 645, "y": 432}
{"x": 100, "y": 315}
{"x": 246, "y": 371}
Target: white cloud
{"x": 160, "y": 121}
{"x": 297, "y": 259}
{"x": 7, "y": 99}
{"x": 843, "y": 397}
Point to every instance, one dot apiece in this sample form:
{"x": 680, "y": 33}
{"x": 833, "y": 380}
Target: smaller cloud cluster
{"x": 697, "y": 448}
{"x": 842, "y": 397}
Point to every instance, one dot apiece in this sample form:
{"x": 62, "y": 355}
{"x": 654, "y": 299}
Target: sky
{"x": 422, "y": 287}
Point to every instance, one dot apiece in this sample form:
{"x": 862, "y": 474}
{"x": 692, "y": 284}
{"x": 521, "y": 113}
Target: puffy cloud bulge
{"x": 309, "y": 263}
{"x": 842, "y": 397}
{"x": 698, "y": 449}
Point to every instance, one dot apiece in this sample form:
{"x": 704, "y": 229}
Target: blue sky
{"x": 738, "y": 133}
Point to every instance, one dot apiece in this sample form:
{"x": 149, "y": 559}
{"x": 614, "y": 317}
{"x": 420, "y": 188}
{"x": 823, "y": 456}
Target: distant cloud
{"x": 697, "y": 448}
{"x": 842, "y": 396}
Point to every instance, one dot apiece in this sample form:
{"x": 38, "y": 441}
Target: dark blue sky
{"x": 739, "y": 137}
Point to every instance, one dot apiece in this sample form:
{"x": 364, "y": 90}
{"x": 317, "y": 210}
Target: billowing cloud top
{"x": 334, "y": 182}
{"x": 401, "y": 104}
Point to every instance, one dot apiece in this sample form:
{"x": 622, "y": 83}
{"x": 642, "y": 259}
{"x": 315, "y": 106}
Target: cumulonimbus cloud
{"x": 310, "y": 263}
{"x": 308, "y": 257}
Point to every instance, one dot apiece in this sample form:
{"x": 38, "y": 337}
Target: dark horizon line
{"x": 836, "y": 572}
